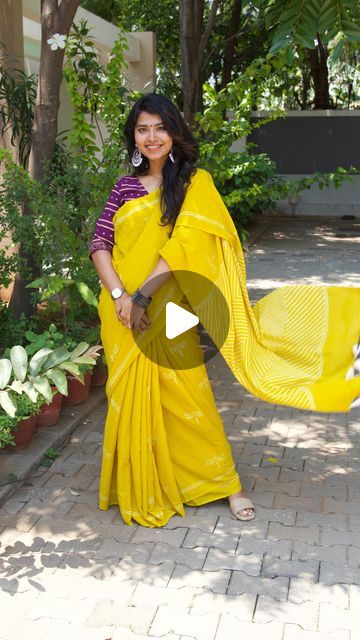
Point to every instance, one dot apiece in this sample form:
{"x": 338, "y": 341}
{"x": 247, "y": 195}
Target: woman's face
{"x": 151, "y": 137}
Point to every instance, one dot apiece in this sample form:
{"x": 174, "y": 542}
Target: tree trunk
{"x": 191, "y": 17}
{"x": 231, "y": 43}
{"x": 55, "y": 18}
{"x": 320, "y": 75}
{"x": 193, "y": 43}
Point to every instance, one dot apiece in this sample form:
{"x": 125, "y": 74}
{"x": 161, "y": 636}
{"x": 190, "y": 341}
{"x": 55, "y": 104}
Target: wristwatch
{"x": 116, "y": 293}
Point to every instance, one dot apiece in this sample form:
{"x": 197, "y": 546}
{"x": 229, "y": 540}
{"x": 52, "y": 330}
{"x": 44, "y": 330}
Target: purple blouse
{"x": 127, "y": 188}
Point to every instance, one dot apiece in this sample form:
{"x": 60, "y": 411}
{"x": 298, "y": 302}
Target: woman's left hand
{"x": 131, "y": 315}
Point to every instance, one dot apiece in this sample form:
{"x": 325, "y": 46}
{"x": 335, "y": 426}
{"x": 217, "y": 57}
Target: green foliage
{"x": 51, "y": 338}
{"x": 81, "y": 178}
{"x": 147, "y": 15}
{"x": 11, "y": 331}
{"x": 297, "y": 23}
{"x": 263, "y": 23}
{"x": 79, "y": 194}
{"x": 17, "y": 101}
{"x": 50, "y": 455}
{"x": 33, "y": 378}
{"x": 99, "y": 97}
{"x": 246, "y": 180}
{"x": 24, "y": 409}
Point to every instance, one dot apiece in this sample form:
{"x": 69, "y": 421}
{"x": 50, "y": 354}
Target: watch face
{"x": 116, "y": 293}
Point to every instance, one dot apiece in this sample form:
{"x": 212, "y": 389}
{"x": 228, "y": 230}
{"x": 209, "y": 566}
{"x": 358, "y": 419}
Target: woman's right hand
{"x": 124, "y": 311}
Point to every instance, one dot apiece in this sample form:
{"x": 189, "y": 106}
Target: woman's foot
{"x": 241, "y": 507}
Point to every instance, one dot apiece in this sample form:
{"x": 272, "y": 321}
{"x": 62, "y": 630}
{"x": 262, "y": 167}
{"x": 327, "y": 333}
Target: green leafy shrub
{"x": 247, "y": 180}
{"x": 24, "y": 409}
{"x": 11, "y": 331}
{"x": 48, "y": 339}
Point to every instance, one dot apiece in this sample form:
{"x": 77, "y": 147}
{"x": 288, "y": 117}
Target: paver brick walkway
{"x": 69, "y": 570}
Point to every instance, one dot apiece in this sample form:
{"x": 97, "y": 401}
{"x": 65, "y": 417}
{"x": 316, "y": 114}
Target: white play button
{"x": 178, "y": 320}
{"x": 185, "y": 340}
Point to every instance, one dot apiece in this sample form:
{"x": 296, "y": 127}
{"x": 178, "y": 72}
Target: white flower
{"x": 57, "y": 41}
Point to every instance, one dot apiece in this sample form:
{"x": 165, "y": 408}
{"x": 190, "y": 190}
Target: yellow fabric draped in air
{"x": 164, "y": 442}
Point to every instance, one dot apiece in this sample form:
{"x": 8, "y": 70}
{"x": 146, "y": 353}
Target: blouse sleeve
{"x": 103, "y": 237}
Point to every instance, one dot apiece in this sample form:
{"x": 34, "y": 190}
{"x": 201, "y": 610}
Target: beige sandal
{"x": 238, "y": 504}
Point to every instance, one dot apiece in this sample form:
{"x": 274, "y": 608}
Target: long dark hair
{"x": 176, "y": 176}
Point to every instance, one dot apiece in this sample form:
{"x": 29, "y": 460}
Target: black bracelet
{"x": 141, "y": 300}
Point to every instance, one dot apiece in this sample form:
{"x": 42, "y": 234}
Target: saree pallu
{"x": 164, "y": 442}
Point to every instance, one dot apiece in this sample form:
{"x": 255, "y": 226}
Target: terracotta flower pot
{"x": 22, "y": 434}
{"x": 49, "y": 413}
{"x": 99, "y": 374}
{"x": 77, "y": 392}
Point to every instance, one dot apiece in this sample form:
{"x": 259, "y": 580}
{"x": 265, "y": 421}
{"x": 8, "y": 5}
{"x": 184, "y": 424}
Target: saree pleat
{"x": 171, "y": 446}
{"x": 164, "y": 441}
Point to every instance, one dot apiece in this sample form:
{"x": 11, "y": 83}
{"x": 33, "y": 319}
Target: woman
{"x": 164, "y": 442}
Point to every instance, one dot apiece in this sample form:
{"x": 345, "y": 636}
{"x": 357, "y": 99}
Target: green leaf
{"x": 87, "y": 294}
{"x": 50, "y": 285}
{"x": 327, "y": 19}
{"x": 59, "y": 379}
{"x": 17, "y": 386}
{"x": 30, "y": 391}
{"x": 38, "y": 360}
{"x": 279, "y": 44}
{"x": 305, "y": 41}
{"x": 336, "y": 53}
{"x": 314, "y": 9}
{"x": 56, "y": 357}
{"x": 79, "y": 376}
{"x": 85, "y": 360}
{"x": 289, "y": 56}
{"x": 19, "y": 361}
{"x": 93, "y": 352}
{"x": 5, "y": 372}
{"x": 79, "y": 350}
{"x": 7, "y": 404}
{"x": 42, "y": 385}
{"x": 289, "y": 13}
{"x": 71, "y": 367}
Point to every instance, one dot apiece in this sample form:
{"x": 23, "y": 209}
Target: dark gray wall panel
{"x": 310, "y": 143}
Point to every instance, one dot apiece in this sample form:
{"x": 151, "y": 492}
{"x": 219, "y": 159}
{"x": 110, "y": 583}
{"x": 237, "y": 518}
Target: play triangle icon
{"x": 178, "y": 320}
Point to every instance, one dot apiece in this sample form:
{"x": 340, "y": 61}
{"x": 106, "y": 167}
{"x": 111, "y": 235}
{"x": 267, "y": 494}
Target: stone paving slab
{"x": 68, "y": 569}
{"x": 21, "y": 464}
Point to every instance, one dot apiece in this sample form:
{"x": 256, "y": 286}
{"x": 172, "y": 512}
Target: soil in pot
{"x": 22, "y": 434}
{"x": 49, "y": 413}
{"x": 77, "y": 392}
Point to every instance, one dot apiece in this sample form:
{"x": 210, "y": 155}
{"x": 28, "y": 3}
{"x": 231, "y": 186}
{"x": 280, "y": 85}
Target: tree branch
{"x": 231, "y": 42}
{"x": 236, "y": 35}
{"x": 209, "y": 27}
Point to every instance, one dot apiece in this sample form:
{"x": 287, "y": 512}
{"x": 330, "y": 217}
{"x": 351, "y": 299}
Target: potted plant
{"x": 16, "y": 432}
{"x": 34, "y": 377}
{"x": 100, "y": 372}
{"x": 79, "y": 386}
{"x": 50, "y": 411}
{"x": 50, "y": 338}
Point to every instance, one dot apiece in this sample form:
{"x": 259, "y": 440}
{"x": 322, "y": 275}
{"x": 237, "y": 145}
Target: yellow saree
{"x": 164, "y": 442}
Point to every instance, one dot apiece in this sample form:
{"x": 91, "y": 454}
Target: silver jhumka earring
{"x": 171, "y": 156}
{"x": 136, "y": 158}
